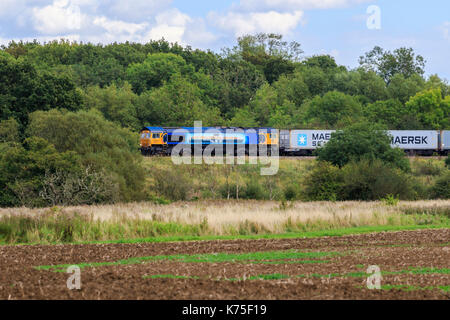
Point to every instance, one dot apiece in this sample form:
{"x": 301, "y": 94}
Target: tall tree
{"x": 387, "y": 63}
{"x": 23, "y": 90}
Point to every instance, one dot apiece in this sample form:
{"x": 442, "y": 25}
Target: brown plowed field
{"x": 392, "y": 252}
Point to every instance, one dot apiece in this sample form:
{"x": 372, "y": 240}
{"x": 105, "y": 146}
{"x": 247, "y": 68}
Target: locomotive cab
{"x": 153, "y": 140}
{"x": 145, "y": 139}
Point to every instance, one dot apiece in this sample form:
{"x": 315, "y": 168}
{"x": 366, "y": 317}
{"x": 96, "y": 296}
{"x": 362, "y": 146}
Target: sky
{"x": 345, "y": 29}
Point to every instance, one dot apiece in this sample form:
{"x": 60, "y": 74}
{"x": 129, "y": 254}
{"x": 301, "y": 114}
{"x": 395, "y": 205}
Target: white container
{"x": 415, "y": 140}
{"x": 309, "y": 139}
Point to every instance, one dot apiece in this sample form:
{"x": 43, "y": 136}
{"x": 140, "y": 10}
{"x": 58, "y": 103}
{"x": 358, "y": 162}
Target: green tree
{"x": 332, "y": 108}
{"x": 117, "y": 104}
{"x": 370, "y": 180}
{"x": 100, "y": 144}
{"x": 434, "y": 82}
{"x": 9, "y": 131}
{"x": 156, "y": 69}
{"x": 264, "y": 104}
{"x": 243, "y": 118}
{"x": 432, "y": 111}
{"x": 403, "y": 89}
{"x": 282, "y": 117}
{"x": 292, "y": 88}
{"x": 387, "y": 64}
{"x": 316, "y": 79}
{"x": 366, "y": 84}
{"x": 23, "y": 90}
{"x": 176, "y": 103}
{"x": 273, "y": 56}
{"x": 324, "y": 182}
{"x": 362, "y": 141}
{"x": 237, "y": 81}
{"x": 324, "y": 62}
{"x": 390, "y": 113}
{"x": 23, "y": 169}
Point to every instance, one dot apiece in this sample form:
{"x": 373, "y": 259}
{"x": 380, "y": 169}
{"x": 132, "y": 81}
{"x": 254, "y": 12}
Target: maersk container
{"x": 445, "y": 140}
{"x": 309, "y": 139}
{"x": 415, "y": 140}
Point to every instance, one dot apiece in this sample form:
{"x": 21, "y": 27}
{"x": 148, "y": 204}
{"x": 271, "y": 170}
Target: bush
{"x": 23, "y": 170}
{"x": 441, "y": 189}
{"x": 290, "y": 193}
{"x": 100, "y": 145}
{"x": 362, "y": 141}
{"x": 373, "y": 180}
{"x": 427, "y": 168}
{"x": 365, "y": 180}
{"x": 253, "y": 190}
{"x": 324, "y": 183}
{"x": 447, "y": 162}
{"x": 171, "y": 185}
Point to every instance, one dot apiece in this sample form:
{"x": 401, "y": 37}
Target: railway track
{"x": 312, "y": 157}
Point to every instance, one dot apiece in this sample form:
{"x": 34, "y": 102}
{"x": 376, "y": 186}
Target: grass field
{"x": 206, "y": 220}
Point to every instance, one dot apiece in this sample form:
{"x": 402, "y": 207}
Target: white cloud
{"x": 446, "y": 30}
{"x": 258, "y": 5}
{"x": 197, "y": 34}
{"x": 170, "y": 25}
{"x": 59, "y": 17}
{"x": 6, "y": 6}
{"x": 119, "y": 27}
{"x": 169, "y": 33}
{"x": 248, "y": 23}
{"x": 173, "y": 17}
{"x": 137, "y": 10}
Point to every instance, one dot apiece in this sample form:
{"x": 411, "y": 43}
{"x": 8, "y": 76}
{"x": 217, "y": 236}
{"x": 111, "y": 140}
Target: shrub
{"x": 447, "y": 162}
{"x": 391, "y": 200}
{"x": 441, "y": 189}
{"x": 364, "y": 180}
{"x": 373, "y": 180}
{"x": 100, "y": 145}
{"x": 171, "y": 185}
{"x": 23, "y": 170}
{"x": 290, "y": 193}
{"x": 324, "y": 183}
{"x": 427, "y": 168}
{"x": 253, "y": 190}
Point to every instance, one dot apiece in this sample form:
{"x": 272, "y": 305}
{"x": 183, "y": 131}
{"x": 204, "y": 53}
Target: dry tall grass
{"x": 266, "y": 216}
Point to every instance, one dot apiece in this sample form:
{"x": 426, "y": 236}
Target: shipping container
{"x": 415, "y": 140}
{"x": 445, "y": 140}
{"x": 309, "y": 139}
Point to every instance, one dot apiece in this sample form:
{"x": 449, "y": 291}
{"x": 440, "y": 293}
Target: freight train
{"x": 162, "y": 141}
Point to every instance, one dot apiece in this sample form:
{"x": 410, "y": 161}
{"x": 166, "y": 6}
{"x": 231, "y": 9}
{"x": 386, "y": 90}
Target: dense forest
{"x": 263, "y": 81}
{"x": 70, "y": 112}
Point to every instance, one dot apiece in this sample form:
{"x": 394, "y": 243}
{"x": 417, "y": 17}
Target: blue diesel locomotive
{"x": 162, "y": 141}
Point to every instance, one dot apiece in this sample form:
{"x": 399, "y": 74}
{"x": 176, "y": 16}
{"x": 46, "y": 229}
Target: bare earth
{"x": 390, "y": 251}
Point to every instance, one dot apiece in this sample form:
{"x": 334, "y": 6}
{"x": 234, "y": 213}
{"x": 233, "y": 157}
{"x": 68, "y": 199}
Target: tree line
{"x": 262, "y": 81}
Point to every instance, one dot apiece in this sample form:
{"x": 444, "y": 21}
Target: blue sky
{"x": 336, "y": 27}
